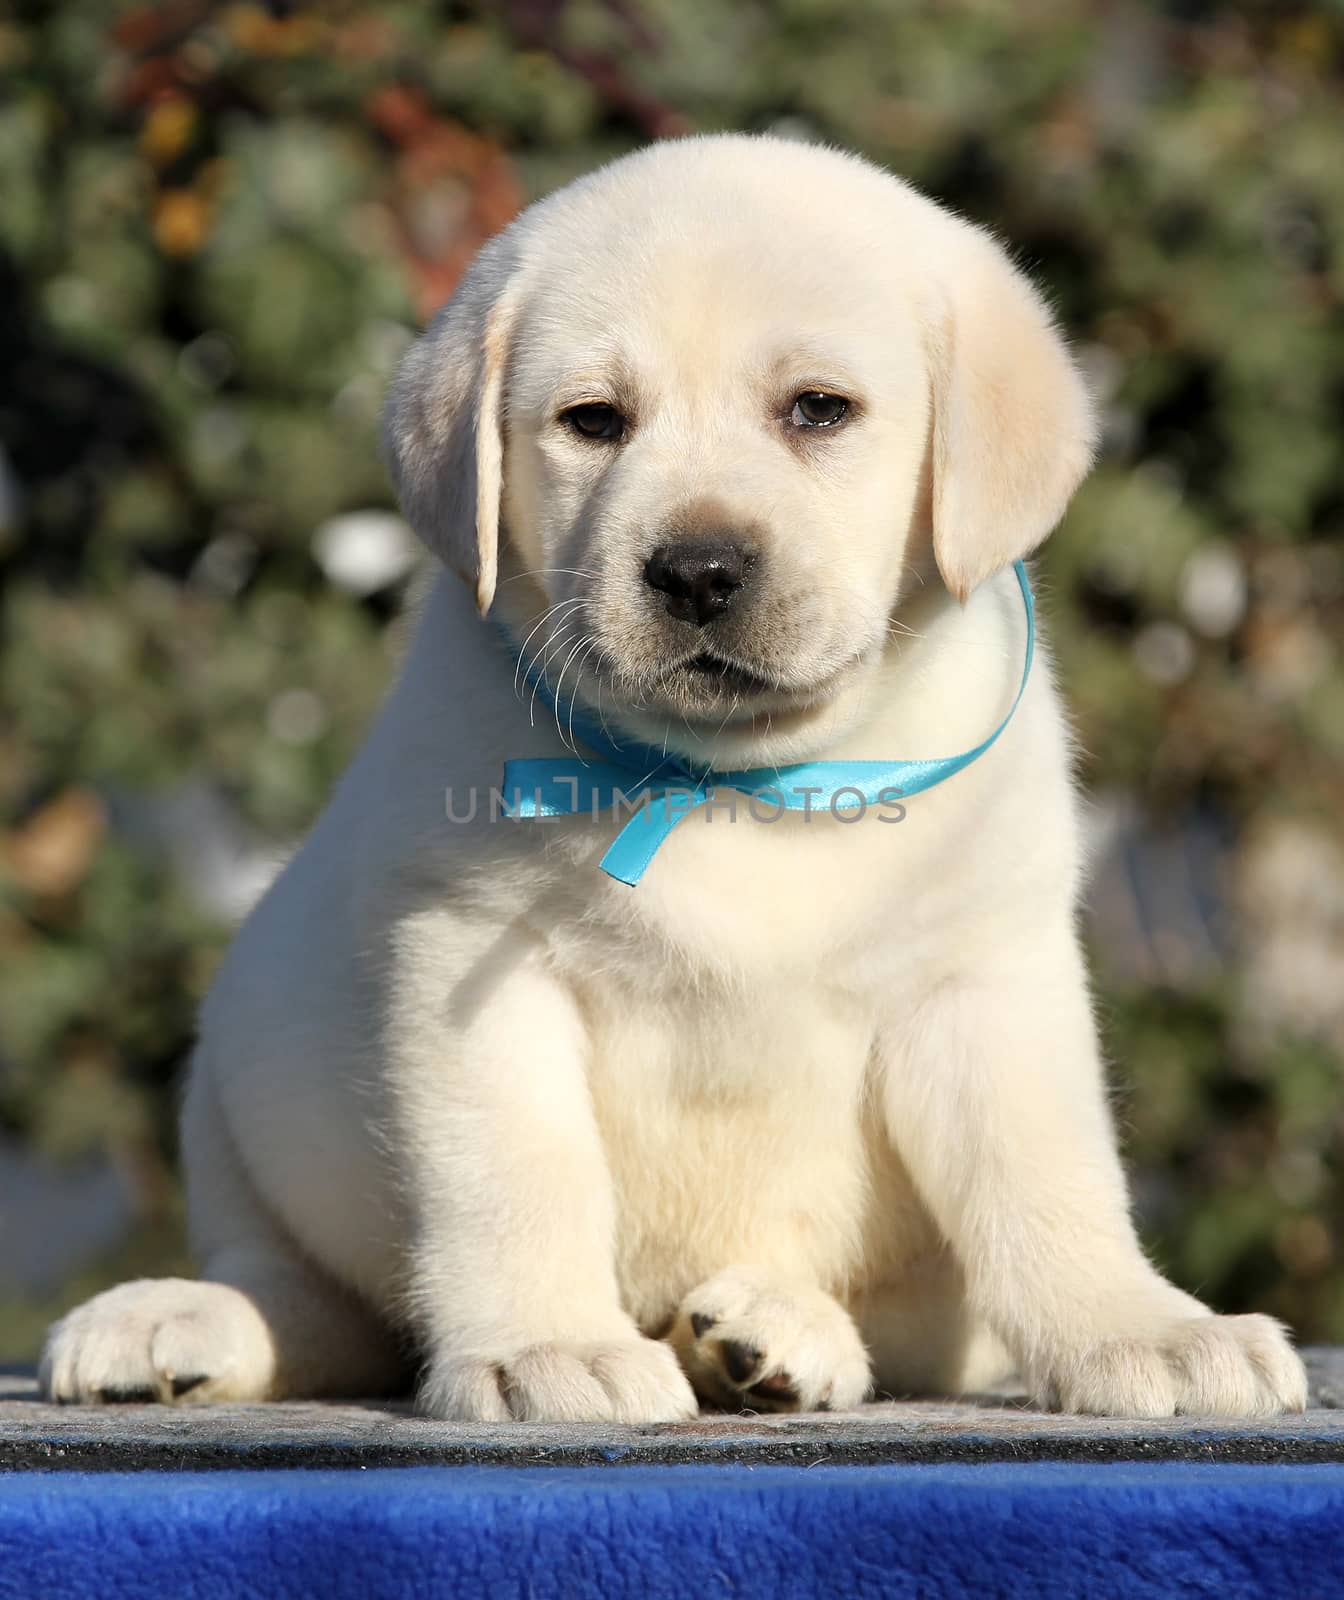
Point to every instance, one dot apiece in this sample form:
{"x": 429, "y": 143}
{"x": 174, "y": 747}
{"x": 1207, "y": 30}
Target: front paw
{"x": 750, "y": 1342}
{"x": 1200, "y": 1366}
{"x": 171, "y": 1339}
{"x": 618, "y": 1380}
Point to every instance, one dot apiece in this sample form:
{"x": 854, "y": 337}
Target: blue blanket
{"x": 684, "y": 1533}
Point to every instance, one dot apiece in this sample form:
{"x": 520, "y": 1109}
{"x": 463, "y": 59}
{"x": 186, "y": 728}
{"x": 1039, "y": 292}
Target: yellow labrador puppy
{"x": 737, "y": 442}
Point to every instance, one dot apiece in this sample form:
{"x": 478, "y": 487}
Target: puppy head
{"x": 702, "y": 416}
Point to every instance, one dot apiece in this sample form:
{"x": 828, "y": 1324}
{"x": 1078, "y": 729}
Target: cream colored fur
{"x": 817, "y": 1105}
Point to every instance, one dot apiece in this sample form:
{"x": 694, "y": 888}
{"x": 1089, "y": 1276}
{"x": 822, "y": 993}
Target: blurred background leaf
{"x": 221, "y": 225}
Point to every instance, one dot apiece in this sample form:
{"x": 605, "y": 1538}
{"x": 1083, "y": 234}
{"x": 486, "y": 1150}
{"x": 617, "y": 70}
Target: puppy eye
{"x": 595, "y": 421}
{"x": 816, "y": 409}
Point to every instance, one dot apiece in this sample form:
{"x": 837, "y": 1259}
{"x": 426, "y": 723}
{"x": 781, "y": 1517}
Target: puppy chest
{"x": 734, "y": 1131}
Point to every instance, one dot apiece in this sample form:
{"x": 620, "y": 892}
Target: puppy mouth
{"x": 712, "y": 688}
{"x": 722, "y": 675}
{"x": 700, "y": 701}
{"x": 711, "y": 692}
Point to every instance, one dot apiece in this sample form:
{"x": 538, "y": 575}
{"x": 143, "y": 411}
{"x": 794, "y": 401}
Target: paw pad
{"x": 740, "y": 1361}
{"x": 126, "y": 1395}
{"x": 779, "y": 1388}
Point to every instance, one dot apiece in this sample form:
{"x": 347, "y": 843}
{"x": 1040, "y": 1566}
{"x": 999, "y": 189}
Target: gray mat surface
{"x": 377, "y": 1433}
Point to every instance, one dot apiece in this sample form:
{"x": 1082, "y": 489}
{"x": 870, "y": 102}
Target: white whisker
{"x": 574, "y": 692}
{"x": 522, "y": 648}
{"x": 550, "y": 647}
{"x": 547, "y": 572}
{"x": 583, "y": 640}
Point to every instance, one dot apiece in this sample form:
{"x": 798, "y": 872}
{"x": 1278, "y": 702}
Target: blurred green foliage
{"x": 219, "y": 225}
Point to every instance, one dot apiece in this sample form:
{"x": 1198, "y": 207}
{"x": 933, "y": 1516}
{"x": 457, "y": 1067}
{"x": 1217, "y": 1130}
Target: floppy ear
{"x": 1013, "y": 427}
{"x": 443, "y": 422}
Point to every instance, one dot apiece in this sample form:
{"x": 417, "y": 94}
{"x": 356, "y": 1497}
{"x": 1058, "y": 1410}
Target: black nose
{"x": 698, "y": 581}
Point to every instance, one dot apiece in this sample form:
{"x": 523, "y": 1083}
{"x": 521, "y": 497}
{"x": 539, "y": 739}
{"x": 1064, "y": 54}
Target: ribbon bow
{"x": 633, "y": 777}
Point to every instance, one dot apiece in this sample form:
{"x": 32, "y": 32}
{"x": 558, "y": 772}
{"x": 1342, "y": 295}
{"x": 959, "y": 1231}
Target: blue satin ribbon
{"x": 631, "y": 778}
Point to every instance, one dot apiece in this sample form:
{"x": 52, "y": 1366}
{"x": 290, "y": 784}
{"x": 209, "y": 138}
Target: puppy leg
{"x": 514, "y": 1289}
{"x": 262, "y": 1324}
{"x": 995, "y": 1101}
{"x": 748, "y": 1341}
